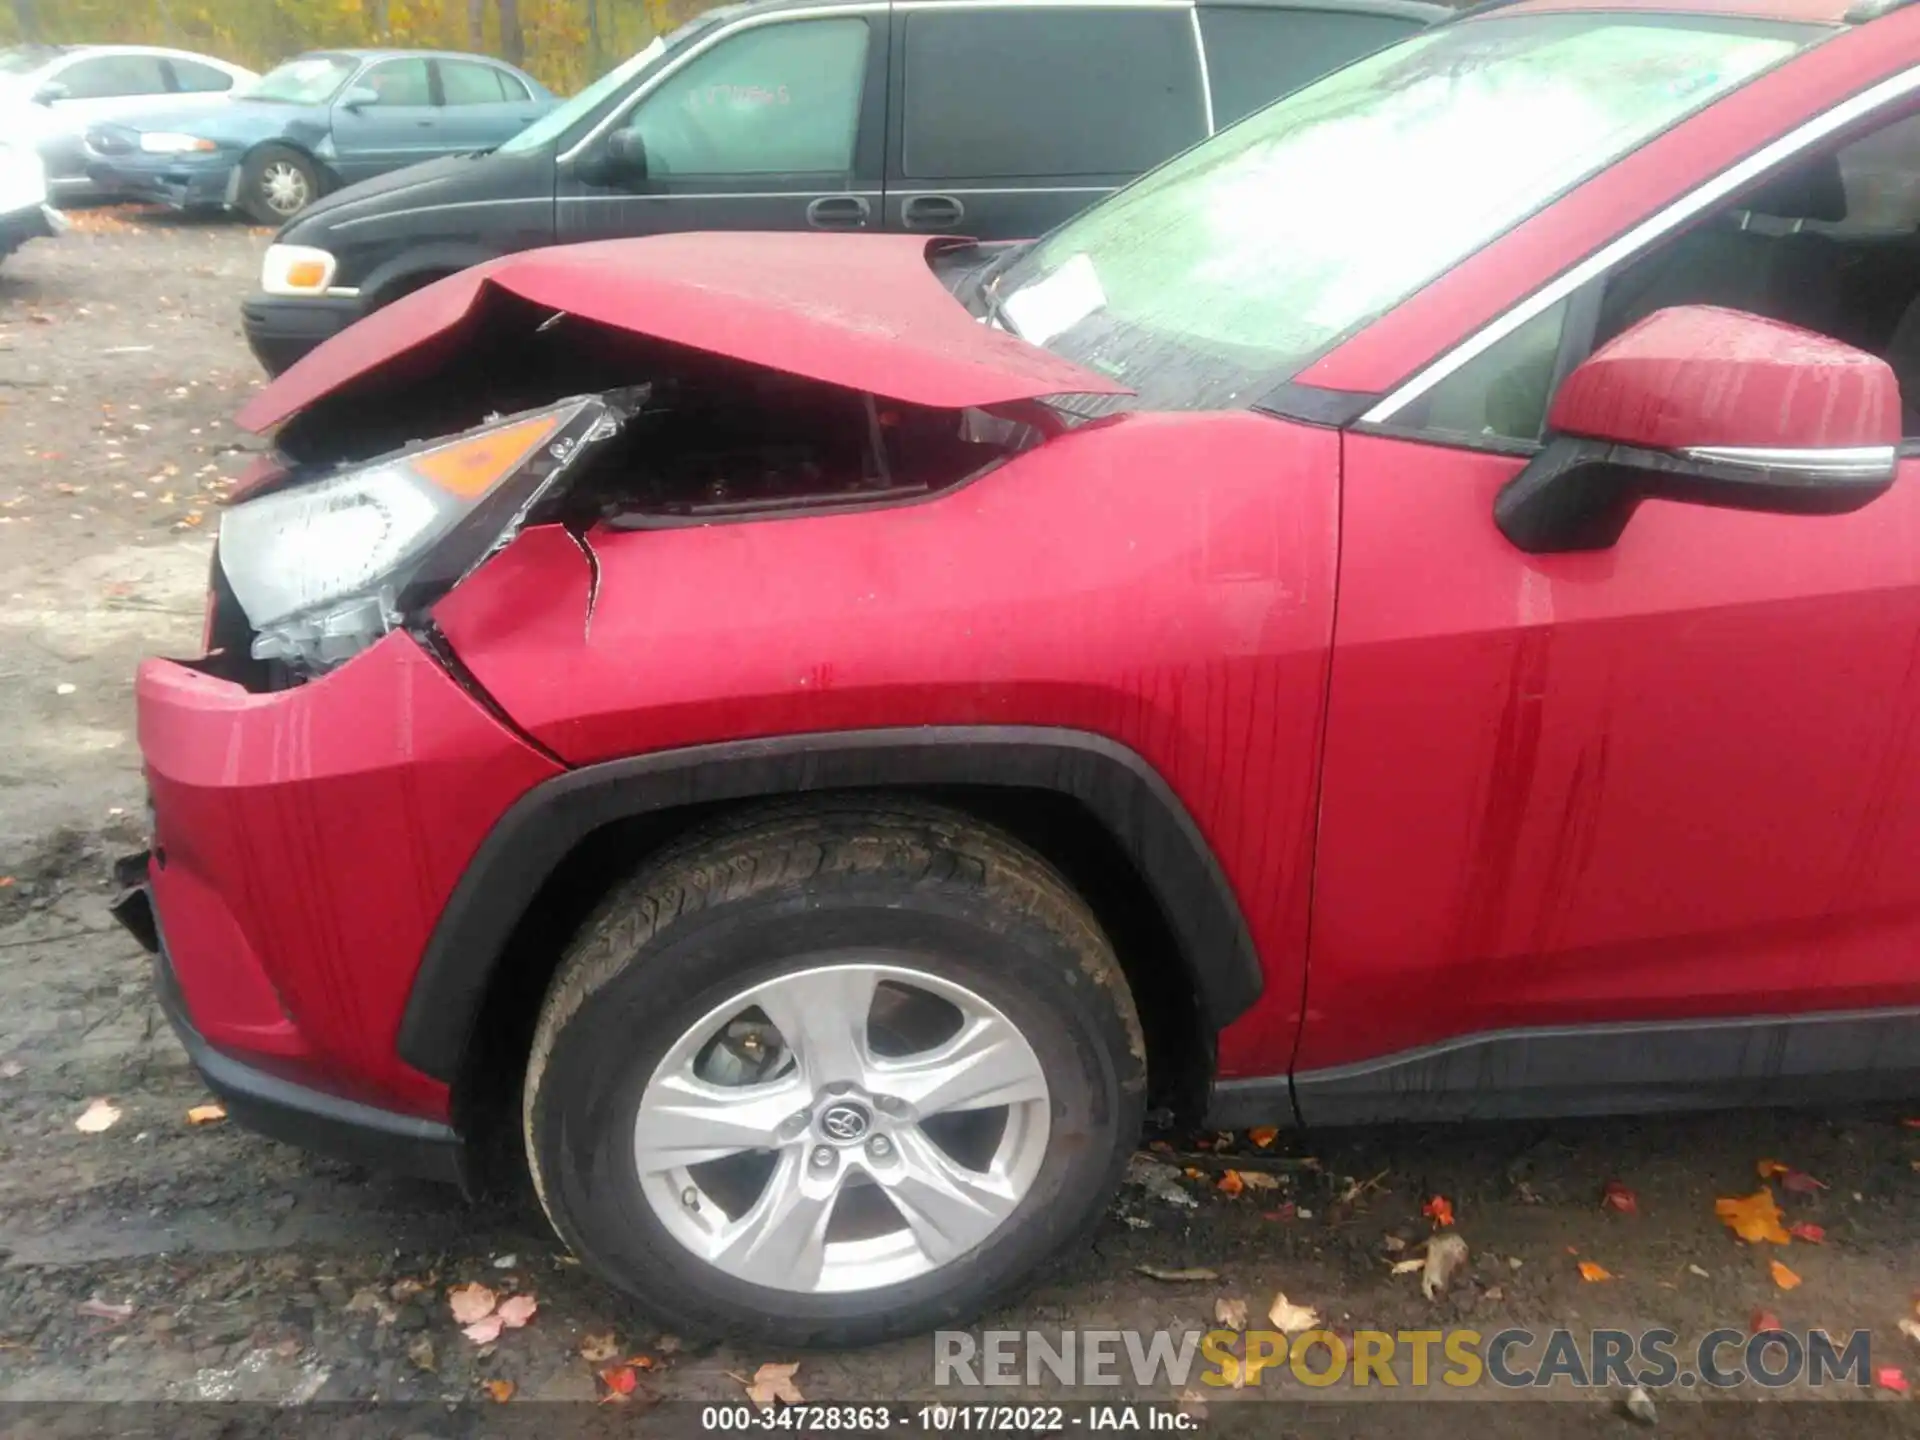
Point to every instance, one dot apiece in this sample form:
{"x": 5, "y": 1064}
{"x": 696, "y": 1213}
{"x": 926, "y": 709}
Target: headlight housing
{"x": 297, "y": 270}
{"x": 323, "y": 569}
{"x": 169, "y": 142}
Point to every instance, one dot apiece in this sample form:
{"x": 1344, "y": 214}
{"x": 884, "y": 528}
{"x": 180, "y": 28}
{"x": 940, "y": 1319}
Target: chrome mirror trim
{"x": 1838, "y": 463}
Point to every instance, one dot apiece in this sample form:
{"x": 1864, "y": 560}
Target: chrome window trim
{"x": 726, "y": 32}
{"x": 1648, "y": 231}
{"x": 1849, "y": 460}
{"x": 909, "y": 6}
{"x": 1206, "y": 75}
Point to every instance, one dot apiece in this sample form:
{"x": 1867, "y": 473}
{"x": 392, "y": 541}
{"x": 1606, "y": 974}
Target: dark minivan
{"x": 995, "y": 119}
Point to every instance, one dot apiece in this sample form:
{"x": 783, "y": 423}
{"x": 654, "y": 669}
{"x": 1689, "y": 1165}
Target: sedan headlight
{"x": 297, "y": 270}
{"x": 323, "y": 569}
{"x": 167, "y": 142}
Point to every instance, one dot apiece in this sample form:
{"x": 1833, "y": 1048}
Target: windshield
{"x": 308, "y": 80}
{"x": 557, "y": 121}
{"x": 1228, "y": 269}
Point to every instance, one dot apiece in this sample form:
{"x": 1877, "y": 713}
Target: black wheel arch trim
{"x": 1116, "y": 786}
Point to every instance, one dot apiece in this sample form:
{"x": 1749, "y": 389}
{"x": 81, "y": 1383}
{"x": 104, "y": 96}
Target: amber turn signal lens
{"x": 306, "y": 275}
{"x": 472, "y": 467}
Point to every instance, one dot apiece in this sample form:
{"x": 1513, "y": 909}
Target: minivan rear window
{"x": 1256, "y": 55}
{"x": 1077, "y": 91}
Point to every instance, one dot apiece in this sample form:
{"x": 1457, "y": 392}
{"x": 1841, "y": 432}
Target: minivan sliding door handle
{"x": 838, "y": 212}
{"x": 932, "y": 212}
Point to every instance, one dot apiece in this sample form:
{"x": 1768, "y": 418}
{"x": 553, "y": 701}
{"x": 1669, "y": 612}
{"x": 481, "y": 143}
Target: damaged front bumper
{"x": 304, "y": 843}
{"x": 279, "y": 1108}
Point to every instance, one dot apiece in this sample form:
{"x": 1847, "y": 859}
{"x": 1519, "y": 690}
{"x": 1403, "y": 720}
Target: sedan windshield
{"x": 307, "y": 80}
{"x": 1234, "y": 265}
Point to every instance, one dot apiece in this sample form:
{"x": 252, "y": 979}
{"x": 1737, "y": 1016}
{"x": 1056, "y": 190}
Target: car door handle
{"x": 838, "y": 212}
{"x": 932, "y": 212}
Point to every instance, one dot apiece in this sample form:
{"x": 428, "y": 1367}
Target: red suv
{"x": 1410, "y": 611}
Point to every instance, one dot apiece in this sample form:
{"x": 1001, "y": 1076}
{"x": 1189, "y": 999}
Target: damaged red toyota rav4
{"x": 1407, "y": 612}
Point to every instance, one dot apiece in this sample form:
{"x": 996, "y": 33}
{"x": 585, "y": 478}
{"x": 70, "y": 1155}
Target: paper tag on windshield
{"x": 1056, "y": 304}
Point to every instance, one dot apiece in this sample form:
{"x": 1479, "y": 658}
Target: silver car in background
{"x": 51, "y": 94}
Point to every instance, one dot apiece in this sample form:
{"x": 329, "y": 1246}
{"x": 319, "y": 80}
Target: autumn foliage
{"x": 564, "y": 42}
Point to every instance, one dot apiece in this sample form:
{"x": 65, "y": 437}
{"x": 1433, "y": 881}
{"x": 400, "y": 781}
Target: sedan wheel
{"x": 276, "y": 183}
{"x": 285, "y": 188}
{"x": 833, "y": 1074}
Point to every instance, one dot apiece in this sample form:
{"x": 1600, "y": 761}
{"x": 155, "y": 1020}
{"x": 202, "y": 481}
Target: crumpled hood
{"x": 861, "y": 311}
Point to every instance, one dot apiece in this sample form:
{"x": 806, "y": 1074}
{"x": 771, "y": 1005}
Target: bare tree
{"x": 476, "y": 24}
{"x": 27, "y": 14}
{"x": 376, "y": 14}
{"x": 593, "y": 38}
{"x": 513, "y": 44}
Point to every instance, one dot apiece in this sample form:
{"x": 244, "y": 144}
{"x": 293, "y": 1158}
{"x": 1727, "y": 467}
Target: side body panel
{"x": 1165, "y": 582}
{"x": 1679, "y": 778}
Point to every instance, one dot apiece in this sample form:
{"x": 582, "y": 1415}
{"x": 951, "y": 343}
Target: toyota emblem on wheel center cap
{"x": 845, "y": 1121}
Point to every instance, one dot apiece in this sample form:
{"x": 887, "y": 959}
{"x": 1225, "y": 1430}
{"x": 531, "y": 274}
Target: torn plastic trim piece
{"x": 328, "y": 563}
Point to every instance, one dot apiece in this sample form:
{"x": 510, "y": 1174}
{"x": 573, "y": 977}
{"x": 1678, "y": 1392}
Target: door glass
{"x": 194, "y": 78}
{"x": 1048, "y": 92}
{"x": 1255, "y": 56}
{"x": 1499, "y": 395}
{"x": 107, "y": 76}
{"x": 398, "y": 82}
{"x": 464, "y": 83}
{"x": 778, "y": 99}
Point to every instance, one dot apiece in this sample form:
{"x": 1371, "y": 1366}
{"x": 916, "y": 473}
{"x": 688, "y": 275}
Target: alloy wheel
{"x": 285, "y": 188}
{"x": 842, "y": 1127}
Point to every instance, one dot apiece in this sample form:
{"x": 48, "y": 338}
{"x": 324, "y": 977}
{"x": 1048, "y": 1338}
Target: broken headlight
{"x": 326, "y": 567}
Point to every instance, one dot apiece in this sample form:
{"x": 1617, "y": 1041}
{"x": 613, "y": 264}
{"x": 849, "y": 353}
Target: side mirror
{"x": 627, "y": 154}
{"x": 48, "y": 93}
{"x": 358, "y": 97}
{"x": 1710, "y": 407}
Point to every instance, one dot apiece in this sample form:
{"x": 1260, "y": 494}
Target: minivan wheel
{"x": 277, "y": 183}
{"x": 833, "y": 1074}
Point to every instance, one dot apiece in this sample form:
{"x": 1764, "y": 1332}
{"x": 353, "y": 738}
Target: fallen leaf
{"x": 1392, "y": 1244}
{"x": 1808, "y": 1231}
{"x": 1161, "y": 1272}
{"x": 775, "y": 1382}
{"x": 1782, "y": 1276}
{"x": 1912, "y": 1122}
{"x": 1639, "y": 1407}
{"x": 1259, "y": 1180}
{"x": 371, "y": 1302}
{"x": 206, "y": 1114}
{"x": 1407, "y": 1267}
{"x": 1618, "y": 1197}
{"x": 499, "y": 1391}
{"x": 641, "y": 1362}
{"x": 619, "y": 1380}
{"x": 1289, "y": 1318}
{"x": 1439, "y": 1210}
{"x": 404, "y": 1290}
{"x": 470, "y": 1303}
{"x": 1762, "y": 1321}
{"x": 1231, "y": 1313}
{"x": 1494, "y": 1292}
{"x": 1696, "y": 1270}
{"x": 99, "y": 1115}
{"x": 1285, "y": 1212}
{"x": 1445, "y": 1255}
{"x": 1891, "y": 1377}
{"x": 598, "y": 1349}
{"x": 1231, "y": 1183}
{"x": 667, "y": 1344}
{"x": 1591, "y": 1272}
{"x": 420, "y": 1352}
{"x": 517, "y": 1310}
{"x": 100, "y": 1310}
{"x": 484, "y": 1331}
{"x": 1754, "y": 1217}
{"x": 1911, "y": 1329}
{"x": 11, "y": 1070}
{"x": 1263, "y": 1135}
{"x": 1801, "y": 1183}
{"x": 1770, "y": 1168}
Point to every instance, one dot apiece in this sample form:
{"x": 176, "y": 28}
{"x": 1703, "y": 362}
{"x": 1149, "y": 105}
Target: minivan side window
{"x": 1073, "y": 91}
{"x": 1256, "y": 55}
{"x": 777, "y": 99}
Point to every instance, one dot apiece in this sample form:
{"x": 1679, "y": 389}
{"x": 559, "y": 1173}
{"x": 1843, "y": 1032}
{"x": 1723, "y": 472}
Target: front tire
{"x": 277, "y": 183}
{"x": 833, "y": 1074}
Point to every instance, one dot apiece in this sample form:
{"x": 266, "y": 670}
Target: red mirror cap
{"x": 1698, "y": 375}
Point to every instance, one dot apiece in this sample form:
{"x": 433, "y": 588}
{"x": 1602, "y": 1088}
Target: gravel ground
{"x": 162, "y": 1261}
